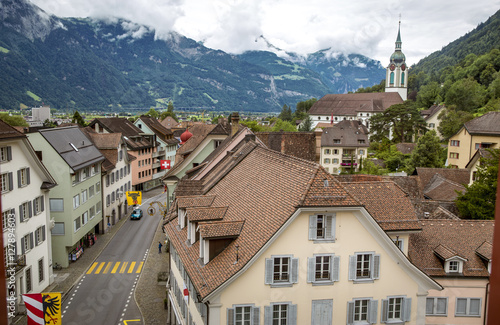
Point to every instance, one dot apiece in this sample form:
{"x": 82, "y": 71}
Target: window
{"x": 454, "y": 155}
{"x": 280, "y": 313}
{"x": 76, "y": 178}
{"x": 336, "y": 141}
{"x": 23, "y": 177}
{"x": 113, "y": 197}
{"x": 98, "y": 208}
{"x": 25, "y": 211}
{"x": 453, "y": 267}
{"x": 112, "y": 178}
{"x": 39, "y": 235}
{"x": 323, "y": 269}
{"x": 391, "y": 79}
{"x": 40, "y": 270}
{"x": 85, "y": 218}
{"x": 8, "y": 218}
{"x": 96, "y": 169}
{"x": 98, "y": 187}
{"x": 335, "y": 151}
{"x": 76, "y": 201}
{"x": 243, "y": 315}
{"x": 38, "y": 205}
{"x": 217, "y": 143}
{"x": 361, "y": 141}
{"x": 326, "y": 161}
{"x": 86, "y": 173}
{"x": 7, "y": 182}
{"x": 327, "y": 151}
{"x": 91, "y": 191}
{"x": 58, "y": 229}
{"x": 364, "y": 267}
{"x": 29, "y": 285}
{"x": 117, "y": 175}
{"x": 435, "y": 306}
{"x": 107, "y": 180}
{"x": 139, "y": 175}
{"x": 26, "y": 243}
{"x": 361, "y": 152}
{"x": 92, "y": 212}
{"x": 120, "y": 155}
{"x": 76, "y": 224}
{"x": 335, "y": 160}
{"x": 468, "y": 307}
{"x": 121, "y": 173}
{"x": 108, "y": 200}
{"x": 281, "y": 270}
{"x": 84, "y": 196}
{"x": 5, "y": 154}
{"x": 362, "y": 311}
{"x": 322, "y": 227}
{"x": 396, "y": 309}
{"x": 432, "y": 125}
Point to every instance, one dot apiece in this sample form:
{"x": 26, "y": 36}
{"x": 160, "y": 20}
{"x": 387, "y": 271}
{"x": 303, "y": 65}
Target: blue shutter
{"x": 295, "y": 270}
{"x": 311, "y": 263}
{"x": 350, "y": 312}
{"x": 269, "y": 271}
{"x": 313, "y": 224}
{"x": 230, "y": 316}
{"x": 385, "y": 310}
{"x": 376, "y": 266}
{"x": 352, "y": 267}
{"x": 335, "y": 268}
{"x": 292, "y": 314}
{"x": 268, "y": 315}
{"x": 255, "y": 315}
{"x": 407, "y": 309}
{"x": 372, "y": 310}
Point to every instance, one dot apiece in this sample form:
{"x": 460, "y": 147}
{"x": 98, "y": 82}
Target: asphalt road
{"x": 105, "y": 294}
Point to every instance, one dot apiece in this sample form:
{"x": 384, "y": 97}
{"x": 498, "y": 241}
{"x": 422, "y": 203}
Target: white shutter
{"x": 313, "y": 225}
{"x": 268, "y": 315}
{"x": 376, "y": 266}
{"x": 292, "y": 314}
{"x": 311, "y": 266}
{"x": 330, "y": 227}
{"x": 336, "y": 268}
{"x": 256, "y": 315}
{"x": 350, "y": 312}
{"x": 352, "y": 267}
{"x": 373, "y": 311}
{"x": 269, "y": 271}
{"x": 385, "y": 310}
{"x": 407, "y": 309}
{"x": 295, "y": 270}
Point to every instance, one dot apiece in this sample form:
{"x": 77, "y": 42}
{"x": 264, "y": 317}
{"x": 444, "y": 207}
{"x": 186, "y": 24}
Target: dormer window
{"x": 181, "y": 216}
{"x": 454, "y": 266}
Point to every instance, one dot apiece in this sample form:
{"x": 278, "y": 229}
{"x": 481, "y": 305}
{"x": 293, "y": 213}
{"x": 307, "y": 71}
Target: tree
{"x": 478, "y": 199}
{"x": 306, "y": 125}
{"x": 466, "y": 94}
{"x": 429, "y": 95}
{"x": 253, "y": 125}
{"x": 77, "y": 118}
{"x": 404, "y": 120}
{"x": 451, "y": 121}
{"x": 49, "y": 124}
{"x": 152, "y": 113}
{"x": 283, "y": 126}
{"x": 13, "y": 120}
{"x": 428, "y": 152}
{"x": 302, "y": 108}
{"x": 286, "y": 113}
{"x": 370, "y": 168}
{"x": 170, "y": 112}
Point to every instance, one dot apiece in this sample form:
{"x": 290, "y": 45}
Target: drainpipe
{"x": 486, "y": 302}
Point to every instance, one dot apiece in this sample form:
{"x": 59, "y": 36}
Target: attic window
{"x": 361, "y": 141}
{"x": 454, "y": 266}
{"x": 73, "y": 146}
{"x": 336, "y": 140}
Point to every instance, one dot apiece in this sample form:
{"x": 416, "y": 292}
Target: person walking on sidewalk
{"x": 159, "y": 247}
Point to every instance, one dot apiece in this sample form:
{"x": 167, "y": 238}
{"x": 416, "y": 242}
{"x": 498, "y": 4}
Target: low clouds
{"x": 365, "y": 27}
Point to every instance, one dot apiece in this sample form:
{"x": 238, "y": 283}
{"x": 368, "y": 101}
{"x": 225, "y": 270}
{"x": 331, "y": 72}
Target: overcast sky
{"x": 368, "y": 27}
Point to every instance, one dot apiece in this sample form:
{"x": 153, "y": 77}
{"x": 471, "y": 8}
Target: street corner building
{"x": 262, "y": 237}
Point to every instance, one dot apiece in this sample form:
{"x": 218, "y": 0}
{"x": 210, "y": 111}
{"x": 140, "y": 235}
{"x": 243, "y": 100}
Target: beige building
{"x": 431, "y": 117}
{"x": 269, "y": 238}
{"x": 344, "y": 146}
{"x": 481, "y": 132}
{"x": 457, "y": 254}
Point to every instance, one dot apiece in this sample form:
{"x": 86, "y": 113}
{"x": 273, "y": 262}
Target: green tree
{"x": 49, "y": 124}
{"x": 478, "y": 199}
{"x": 451, "y": 121}
{"x": 283, "y": 125}
{"x": 152, "y": 113}
{"x": 170, "y": 112}
{"x": 403, "y": 119}
{"x": 13, "y": 120}
{"x": 466, "y": 94}
{"x": 306, "y": 125}
{"x": 429, "y": 95}
{"x": 253, "y": 125}
{"x": 427, "y": 153}
{"x": 77, "y": 118}
{"x": 303, "y": 107}
{"x": 286, "y": 113}
{"x": 370, "y": 168}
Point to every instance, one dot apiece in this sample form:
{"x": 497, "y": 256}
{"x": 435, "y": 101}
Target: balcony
{"x": 160, "y": 153}
{"x": 156, "y": 165}
{"x": 344, "y": 164}
{"x": 18, "y": 262}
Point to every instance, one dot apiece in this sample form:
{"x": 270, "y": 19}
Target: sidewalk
{"x": 149, "y": 294}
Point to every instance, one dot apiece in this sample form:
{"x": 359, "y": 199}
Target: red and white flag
{"x": 43, "y": 308}
{"x": 165, "y": 164}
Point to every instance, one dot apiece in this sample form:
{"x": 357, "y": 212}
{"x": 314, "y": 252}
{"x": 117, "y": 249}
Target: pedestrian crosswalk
{"x": 115, "y": 267}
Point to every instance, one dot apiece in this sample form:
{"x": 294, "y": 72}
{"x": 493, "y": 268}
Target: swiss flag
{"x": 165, "y": 164}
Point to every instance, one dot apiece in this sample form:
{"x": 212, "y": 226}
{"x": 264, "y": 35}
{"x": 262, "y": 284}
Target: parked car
{"x": 136, "y": 214}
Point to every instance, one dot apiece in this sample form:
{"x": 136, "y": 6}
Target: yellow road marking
{"x": 107, "y": 267}
{"x": 100, "y": 267}
{"x": 115, "y": 267}
{"x": 131, "y": 320}
{"x": 124, "y": 266}
{"x": 92, "y": 268}
{"x": 139, "y": 268}
{"x": 131, "y": 268}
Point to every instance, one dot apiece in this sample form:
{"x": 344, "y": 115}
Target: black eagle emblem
{"x": 51, "y": 308}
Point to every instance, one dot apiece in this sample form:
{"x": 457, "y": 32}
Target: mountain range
{"x": 116, "y": 65}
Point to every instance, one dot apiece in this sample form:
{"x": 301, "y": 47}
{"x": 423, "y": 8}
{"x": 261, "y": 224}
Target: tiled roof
{"x": 262, "y": 188}
{"x": 130, "y": 132}
{"x": 159, "y": 129}
{"x": 406, "y": 148}
{"x": 442, "y": 213}
{"x": 221, "y": 229}
{"x": 169, "y": 122}
{"x": 8, "y": 132}
{"x": 347, "y": 134}
{"x": 431, "y": 111}
{"x": 194, "y": 201}
{"x": 442, "y": 189}
{"x": 485, "y": 250}
{"x": 488, "y": 124}
{"x": 106, "y": 140}
{"x": 461, "y": 237}
{"x": 350, "y": 104}
{"x": 460, "y": 175}
{"x": 444, "y": 252}
{"x": 298, "y": 144}
{"x": 205, "y": 214}
{"x": 389, "y": 205}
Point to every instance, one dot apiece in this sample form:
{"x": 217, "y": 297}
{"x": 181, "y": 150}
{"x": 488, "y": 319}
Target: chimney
{"x": 235, "y": 119}
{"x": 249, "y": 137}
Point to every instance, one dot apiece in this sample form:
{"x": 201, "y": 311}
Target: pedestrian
{"x": 159, "y": 247}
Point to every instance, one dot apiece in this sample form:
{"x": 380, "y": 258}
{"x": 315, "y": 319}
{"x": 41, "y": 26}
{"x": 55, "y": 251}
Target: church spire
{"x": 397, "y": 71}
{"x": 398, "y": 39}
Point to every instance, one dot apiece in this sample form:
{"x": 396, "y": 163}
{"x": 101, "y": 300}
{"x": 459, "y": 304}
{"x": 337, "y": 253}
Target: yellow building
{"x": 267, "y": 238}
{"x": 481, "y": 132}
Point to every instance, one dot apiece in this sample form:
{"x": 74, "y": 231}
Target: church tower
{"x": 396, "y": 77}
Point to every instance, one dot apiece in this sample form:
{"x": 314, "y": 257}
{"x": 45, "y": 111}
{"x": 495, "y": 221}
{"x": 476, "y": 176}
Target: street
{"x": 105, "y": 293}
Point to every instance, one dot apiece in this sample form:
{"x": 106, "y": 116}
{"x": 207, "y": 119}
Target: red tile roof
{"x": 223, "y": 229}
{"x": 205, "y": 214}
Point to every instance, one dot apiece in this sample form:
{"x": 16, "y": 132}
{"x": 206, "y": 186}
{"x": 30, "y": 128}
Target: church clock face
{"x": 403, "y": 67}
{"x": 392, "y": 66}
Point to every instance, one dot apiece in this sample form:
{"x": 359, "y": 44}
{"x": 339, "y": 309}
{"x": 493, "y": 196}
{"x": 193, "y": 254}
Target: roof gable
{"x": 485, "y": 125}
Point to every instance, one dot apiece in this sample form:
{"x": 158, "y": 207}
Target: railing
{"x": 348, "y": 164}
{"x": 18, "y": 262}
{"x": 156, "y": 165}
{"x": 159, "y": 153}
{"x": 349, "y": 156}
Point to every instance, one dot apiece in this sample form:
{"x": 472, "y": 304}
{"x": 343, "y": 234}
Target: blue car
{"x": 136, "y": 214}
